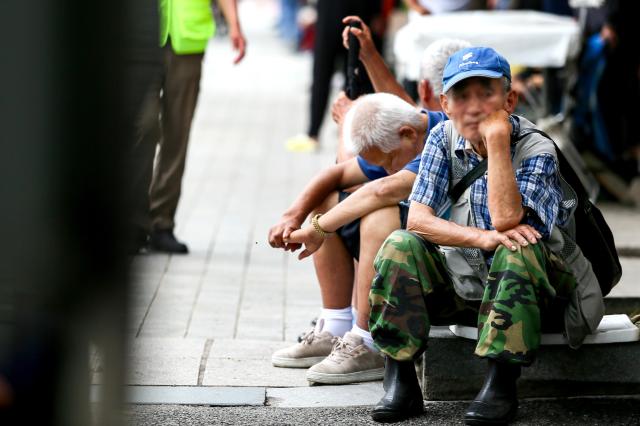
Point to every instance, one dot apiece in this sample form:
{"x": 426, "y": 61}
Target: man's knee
{"x": 522, "y": 257}
{"x": 397, "y": 246}
{"x": 511, "y": 269}
{"x": 378, "y": 224}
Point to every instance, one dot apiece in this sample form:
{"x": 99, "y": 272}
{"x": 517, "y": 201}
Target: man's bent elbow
{"x": 502, "y": 224}
{"x": 420, "y": 226}
{"x": 388, "y": 192}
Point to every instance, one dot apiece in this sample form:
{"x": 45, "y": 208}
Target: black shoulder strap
{"x": 459, "y": 188}
{"x": 530, "y": 130}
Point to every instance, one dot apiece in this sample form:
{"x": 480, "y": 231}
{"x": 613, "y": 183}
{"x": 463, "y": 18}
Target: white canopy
{"x": 523, "y": 37}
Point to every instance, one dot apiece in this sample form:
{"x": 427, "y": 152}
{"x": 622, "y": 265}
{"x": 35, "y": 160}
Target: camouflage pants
{"x": 525, "y": 293}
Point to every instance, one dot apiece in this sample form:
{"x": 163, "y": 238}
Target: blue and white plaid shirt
{"x": 537, "y": 179}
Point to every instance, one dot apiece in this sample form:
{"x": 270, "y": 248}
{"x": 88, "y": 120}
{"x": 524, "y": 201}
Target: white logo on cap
{"x": 467, "y": 56}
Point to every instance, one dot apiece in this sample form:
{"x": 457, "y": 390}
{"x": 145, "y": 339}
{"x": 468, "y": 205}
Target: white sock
{"x": 366, "y": 337}
{"x": 354, "y": 315}
{"x": 336, "y": 321}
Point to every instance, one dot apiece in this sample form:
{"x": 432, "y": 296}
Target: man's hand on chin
{"x": 495, "y": 130}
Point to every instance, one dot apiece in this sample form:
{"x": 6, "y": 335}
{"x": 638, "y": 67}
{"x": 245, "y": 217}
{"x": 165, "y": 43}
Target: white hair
{"x": 435, "y": 58}
{"x": 375, "y": 120}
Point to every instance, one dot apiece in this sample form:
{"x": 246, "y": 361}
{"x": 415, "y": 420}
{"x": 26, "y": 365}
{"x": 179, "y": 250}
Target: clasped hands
{"x": 288, "y": 235}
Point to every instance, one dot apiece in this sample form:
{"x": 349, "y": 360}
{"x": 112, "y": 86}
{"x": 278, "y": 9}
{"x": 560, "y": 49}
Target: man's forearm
{"x": 230, "y": 11}
{"x": 381, "y": 77}
{"x": 423, "y": 221}
{"x": 504, "y": 199}
{"x": 373, "y": 196}
{"x": 314, "y": 194}
{"x": 333, "y": 178}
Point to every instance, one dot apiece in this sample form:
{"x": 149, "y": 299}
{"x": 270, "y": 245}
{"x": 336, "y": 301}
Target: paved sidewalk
{"x": 213, "y": 318}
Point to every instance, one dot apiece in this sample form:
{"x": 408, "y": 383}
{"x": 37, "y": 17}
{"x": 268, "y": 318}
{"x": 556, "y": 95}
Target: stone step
{"x": 448, "y": 370}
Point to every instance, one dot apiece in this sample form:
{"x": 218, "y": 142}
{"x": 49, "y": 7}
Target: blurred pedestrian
{"x": 607, "y": 95}
{"x": 327, "y": 54}
{"x": 186, "y": 27}
{"x": 619, "y": 88}
{"x": 288, "y": 21}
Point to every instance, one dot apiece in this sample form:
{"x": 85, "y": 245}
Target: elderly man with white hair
{"x": 387, "y": 134}
{"x": 361, "y": 221}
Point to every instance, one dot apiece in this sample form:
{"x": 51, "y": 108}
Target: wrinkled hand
{"x": 521, "y": 235}
{"x": 279, "y": 233}
{"x": 309, "y": 237}
{"x": 340, "y": 107}
{"x": 238, "y": 43}
{"x": 367, "y": 48}
{"x": 496, "y": 129}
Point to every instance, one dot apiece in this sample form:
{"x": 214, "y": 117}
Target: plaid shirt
{"x": 537, "y": 179}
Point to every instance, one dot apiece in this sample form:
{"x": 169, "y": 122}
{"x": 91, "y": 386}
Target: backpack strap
{"x": 563, "y": 165}
{"x": 458, "y": 179}
{"x": 467, "y": 180}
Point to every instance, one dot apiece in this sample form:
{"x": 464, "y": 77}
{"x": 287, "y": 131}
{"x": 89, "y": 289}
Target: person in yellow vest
{"x": 185, "y": 29}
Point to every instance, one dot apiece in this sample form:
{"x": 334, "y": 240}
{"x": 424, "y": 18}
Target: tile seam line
{"x": 204, "y": 360}
{"x": 153, "y": 298}
{"x": 243, "y": 280}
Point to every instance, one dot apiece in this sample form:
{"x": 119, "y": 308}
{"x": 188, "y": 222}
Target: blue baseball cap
{"x": 474, "y": 62}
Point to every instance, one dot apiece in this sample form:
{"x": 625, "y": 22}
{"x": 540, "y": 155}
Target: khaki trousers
{"x": 166, "y": 123}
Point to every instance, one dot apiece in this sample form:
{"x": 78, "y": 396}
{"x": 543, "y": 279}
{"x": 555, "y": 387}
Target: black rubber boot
{"x": 497, "y": 401}
{"x": 403, "y": 398}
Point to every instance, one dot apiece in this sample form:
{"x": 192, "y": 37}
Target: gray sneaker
{"x": 313, "y": 348}
{"x": 351, "y": 361}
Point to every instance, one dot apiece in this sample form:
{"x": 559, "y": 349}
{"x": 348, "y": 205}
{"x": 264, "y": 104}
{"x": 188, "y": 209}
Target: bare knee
{"x": 377, "y": 225}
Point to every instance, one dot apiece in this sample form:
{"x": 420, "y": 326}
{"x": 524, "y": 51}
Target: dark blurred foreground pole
{"x": 66, "y": 111}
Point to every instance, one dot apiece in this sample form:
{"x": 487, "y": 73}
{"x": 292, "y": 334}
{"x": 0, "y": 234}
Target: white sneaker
{"x": 313, "y": 348}
{"x": 350, "y": 361}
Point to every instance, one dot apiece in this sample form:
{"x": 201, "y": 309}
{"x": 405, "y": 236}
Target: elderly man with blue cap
{"x": 504, "y": 261}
